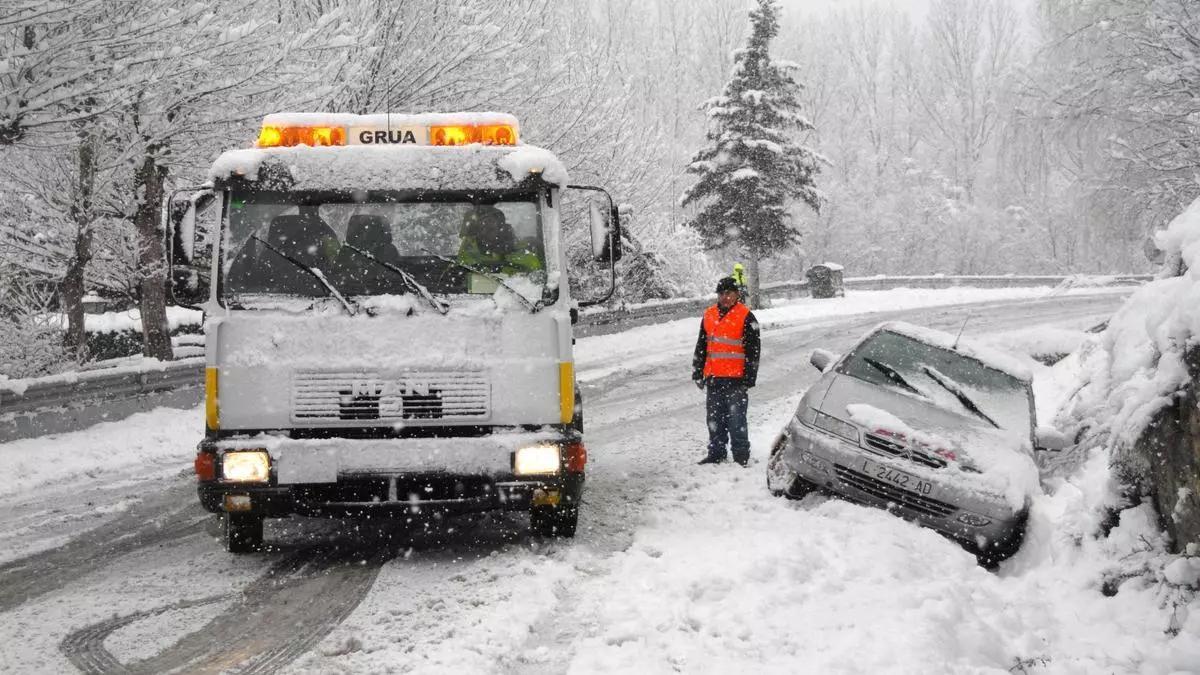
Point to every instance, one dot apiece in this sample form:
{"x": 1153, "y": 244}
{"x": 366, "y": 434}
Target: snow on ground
{"x": 723, "y": 577}
{"x": 716, "y": 575}
{"x": 162, "y": 440}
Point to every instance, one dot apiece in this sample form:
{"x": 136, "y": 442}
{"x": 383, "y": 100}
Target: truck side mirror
{"x": 190, "y": 238}
{"x": 605, "y": 222}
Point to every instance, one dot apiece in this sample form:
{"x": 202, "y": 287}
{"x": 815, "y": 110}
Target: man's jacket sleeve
{"x": 752, "y": 342}
{"x": 701, "y": 354}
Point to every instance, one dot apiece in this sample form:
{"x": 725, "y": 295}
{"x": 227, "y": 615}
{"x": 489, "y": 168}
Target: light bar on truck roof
{"x": 450, "y": 129}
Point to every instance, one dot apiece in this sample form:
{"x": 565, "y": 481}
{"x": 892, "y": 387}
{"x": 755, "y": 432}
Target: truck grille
{"x": 877, "y": 488}
{"x": 404, "y": 397}
{"x": 891, "y": 448}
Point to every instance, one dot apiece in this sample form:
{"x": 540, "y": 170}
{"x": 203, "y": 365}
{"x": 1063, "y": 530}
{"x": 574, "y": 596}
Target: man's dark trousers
{"x": 726, "y": 407}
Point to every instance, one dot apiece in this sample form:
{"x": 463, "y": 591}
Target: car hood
{"x": 1003, "y": 457}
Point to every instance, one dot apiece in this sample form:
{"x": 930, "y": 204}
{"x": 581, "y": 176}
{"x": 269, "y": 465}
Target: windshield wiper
{"x": 488, "y": 275}
{"x": 893, "y": 375}
{"x": 409, "y": 280}
{"x": 316, "y": 274}
{"x": 952, "y": 387}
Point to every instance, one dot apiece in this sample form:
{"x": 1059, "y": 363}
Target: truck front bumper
{"x": 389, "y": 477}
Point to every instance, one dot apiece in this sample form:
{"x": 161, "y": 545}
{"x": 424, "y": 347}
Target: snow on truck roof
{"x": 430, "y": 151}
{"x": 991, "y": 358}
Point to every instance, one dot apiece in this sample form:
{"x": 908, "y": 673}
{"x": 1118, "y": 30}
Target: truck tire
{"x": 554, "y": 521}
{"x": 242, "y": 532}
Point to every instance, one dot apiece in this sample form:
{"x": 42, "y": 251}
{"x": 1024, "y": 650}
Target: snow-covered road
{"x": 111, "y": 565}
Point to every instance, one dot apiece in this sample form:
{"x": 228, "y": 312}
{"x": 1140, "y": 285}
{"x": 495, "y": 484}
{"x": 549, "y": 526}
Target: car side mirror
{"x": 189, "y": 244}
{"x": 1051, "y": 439}
{"x": 821, "y": 359}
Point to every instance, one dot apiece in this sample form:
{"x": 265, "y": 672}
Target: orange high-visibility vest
{"x": 726, "y": 351}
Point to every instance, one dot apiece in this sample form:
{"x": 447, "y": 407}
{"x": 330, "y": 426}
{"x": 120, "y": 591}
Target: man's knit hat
{"x": 726, "y": 284}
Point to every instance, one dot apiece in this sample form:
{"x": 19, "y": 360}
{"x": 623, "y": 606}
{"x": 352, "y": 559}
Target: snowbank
{"x": 164, "y": 438}
{"x": 1137, "y": 366}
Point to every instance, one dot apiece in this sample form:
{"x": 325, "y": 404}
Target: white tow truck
{"x": 388, "y": 319}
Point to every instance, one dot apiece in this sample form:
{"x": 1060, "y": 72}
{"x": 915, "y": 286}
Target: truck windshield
{"x": 500, "y": 235}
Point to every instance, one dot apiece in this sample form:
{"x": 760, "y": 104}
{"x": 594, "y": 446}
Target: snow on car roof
{"x": 991, "y": 358}
{"x": 393, "y": 167}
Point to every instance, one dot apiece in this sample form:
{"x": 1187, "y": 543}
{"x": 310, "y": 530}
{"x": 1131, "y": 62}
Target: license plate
{"x": 895, "y": 477}
{"x": 385, "y": 136}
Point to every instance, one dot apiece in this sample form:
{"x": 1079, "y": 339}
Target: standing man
{"x": 726, "y": 364}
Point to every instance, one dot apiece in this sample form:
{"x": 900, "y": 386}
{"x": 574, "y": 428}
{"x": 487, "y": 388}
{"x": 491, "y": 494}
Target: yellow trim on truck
{"x": 212, "y": 415}
{"x": 566, "y": 391}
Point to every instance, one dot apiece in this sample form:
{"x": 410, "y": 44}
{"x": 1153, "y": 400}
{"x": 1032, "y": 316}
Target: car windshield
{"x": 947, "y": 378}
{"x": 362, "y": 241}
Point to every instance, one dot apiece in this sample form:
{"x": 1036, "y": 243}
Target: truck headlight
{"x": 246, "y": 466}
{"x": 536, "y": 459}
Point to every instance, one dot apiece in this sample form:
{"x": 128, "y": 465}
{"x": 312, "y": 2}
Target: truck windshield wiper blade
{"x": 893, "y": 375}
{"x": 409, "y": 280}
{"x": 315, "y": 273}
{"x": 950, "y": 386}
{"x": 488, "y": 275}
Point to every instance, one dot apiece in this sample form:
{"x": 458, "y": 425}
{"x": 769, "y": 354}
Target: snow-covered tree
{"x": 754, "y": 167}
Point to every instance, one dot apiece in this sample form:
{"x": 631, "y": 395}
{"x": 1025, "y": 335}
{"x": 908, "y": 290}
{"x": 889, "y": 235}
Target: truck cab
{"x": 389, "y": 326}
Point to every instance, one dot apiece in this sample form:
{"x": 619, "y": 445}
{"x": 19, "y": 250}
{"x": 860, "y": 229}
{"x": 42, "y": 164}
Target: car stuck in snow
{"x": 932, "y": 428}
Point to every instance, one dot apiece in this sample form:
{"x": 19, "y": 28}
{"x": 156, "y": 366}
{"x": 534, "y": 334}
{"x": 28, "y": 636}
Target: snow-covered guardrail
{"x": 613, "y": 320}
{"x": 76, "y": 400}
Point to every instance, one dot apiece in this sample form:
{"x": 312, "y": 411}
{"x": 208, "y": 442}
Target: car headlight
{"x": 246, "y": 466}
{"x": 837, "y": 427}
{"x": 536, "y": 459}
{"x": 807, "y": 415}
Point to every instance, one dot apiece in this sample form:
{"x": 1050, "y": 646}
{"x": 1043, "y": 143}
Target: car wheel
{"x": 554, "y": 521}
{"x": 991, "y": 557}
{"x": 798, "y": 488}
{"x": 242, "y": 532}
{"x": 780, "y": 481}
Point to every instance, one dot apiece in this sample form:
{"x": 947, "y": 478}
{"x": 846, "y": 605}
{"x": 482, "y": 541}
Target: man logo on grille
{"x": 391, "y": 388}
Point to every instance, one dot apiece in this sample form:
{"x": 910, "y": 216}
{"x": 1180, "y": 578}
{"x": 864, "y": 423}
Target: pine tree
{"x": 753, "y": 167}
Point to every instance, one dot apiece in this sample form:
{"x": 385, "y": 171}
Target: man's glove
{"x": 699, "y": 382}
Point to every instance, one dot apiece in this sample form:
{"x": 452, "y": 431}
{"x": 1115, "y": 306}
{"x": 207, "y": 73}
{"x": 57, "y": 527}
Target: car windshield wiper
{"x": 952, "y": 387}
{"x": 409, "y": 280}
{"x": 315, "y": 273}
{"x": 893, "y": 375}
{"x": 488, "y": 275}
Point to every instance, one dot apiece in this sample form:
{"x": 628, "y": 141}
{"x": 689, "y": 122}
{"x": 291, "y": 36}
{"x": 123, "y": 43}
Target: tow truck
{"x": 388, "y": 321}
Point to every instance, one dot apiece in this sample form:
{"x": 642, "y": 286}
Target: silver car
{"x": 933, "y": 429}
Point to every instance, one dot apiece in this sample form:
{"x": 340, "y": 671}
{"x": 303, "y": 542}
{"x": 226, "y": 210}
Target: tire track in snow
{"x": 84, "y": 647}
{"x": 160, "y": 519}
{"x": 277, "y": 617}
